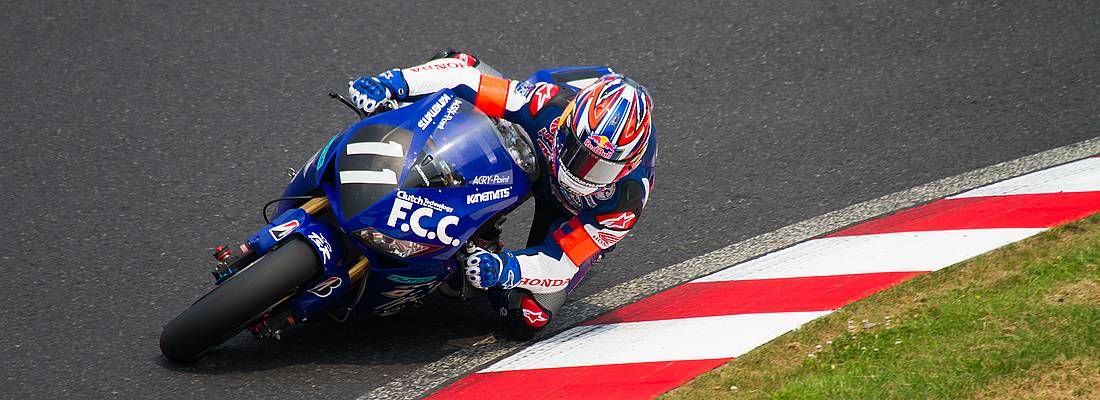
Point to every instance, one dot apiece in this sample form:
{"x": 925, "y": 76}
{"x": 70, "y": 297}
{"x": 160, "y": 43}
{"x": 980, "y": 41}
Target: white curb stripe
{"x": 887, "y": 252}
{"x": 1079, "y": 176}
{"x": 648, "y": 341}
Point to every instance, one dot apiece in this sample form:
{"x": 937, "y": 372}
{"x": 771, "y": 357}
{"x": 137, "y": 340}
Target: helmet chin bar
{"x": 575, "y": 185}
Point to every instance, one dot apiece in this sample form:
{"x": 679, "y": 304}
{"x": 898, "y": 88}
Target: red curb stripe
{"x": 1014, "y": 211}
{"x": 615, "y": 381}
{"x": 708, "y": 299}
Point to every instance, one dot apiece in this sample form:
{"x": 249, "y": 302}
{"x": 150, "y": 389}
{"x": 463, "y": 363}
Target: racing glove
{"x": 485, "y": 270}
{"x": 370, "y": 92}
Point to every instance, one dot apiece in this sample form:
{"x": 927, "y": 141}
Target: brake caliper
{"x": 230, "y": 263}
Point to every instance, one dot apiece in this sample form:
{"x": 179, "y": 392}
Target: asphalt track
{"x": 138, "y": 135}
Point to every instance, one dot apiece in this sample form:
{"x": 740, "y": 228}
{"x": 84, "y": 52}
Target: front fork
{"x": 337, "y": 277}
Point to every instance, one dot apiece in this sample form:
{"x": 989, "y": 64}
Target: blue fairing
{"x": 308, "y": 178}
{"x": 432, "y": 173}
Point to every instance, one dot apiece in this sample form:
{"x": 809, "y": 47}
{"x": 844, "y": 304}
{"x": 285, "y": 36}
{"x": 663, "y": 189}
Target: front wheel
{"x": 224, "y": 311}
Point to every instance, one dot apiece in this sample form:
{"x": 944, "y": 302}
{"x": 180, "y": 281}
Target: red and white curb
{"x": 649, "y": 347}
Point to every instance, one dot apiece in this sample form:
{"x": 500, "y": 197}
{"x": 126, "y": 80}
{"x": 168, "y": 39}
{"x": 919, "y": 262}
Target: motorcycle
{"x": 373, "y": 222}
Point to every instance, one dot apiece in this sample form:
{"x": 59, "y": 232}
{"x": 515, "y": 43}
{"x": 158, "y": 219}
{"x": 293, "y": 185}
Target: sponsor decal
{"x": 600, "y": 145}
{"x": 282, "y": 231}
{"x": 572, "y": 202}
{"x": 322, "y": 246}
{"x": 412, "y": 280}
{"x": 534, "y": 314}
{"x": 547, "y": 140}
{"x": 535, "y": 317}
{"x": 433, "y": 111}
{"x": 491, "y": 180}
{"x": 605, "y": 238}
{"x": 325, "y": 288}
{"x": 451, "y": 111}
{"x": 324, "y": 151}
{"x": 547, "y": 283}
{"x": 546, "y": 144}
{"x": 605, "y": 193}
{"x": 620, "y": 221}
{"x": 400, "y": 291}
{"x": 408, "y": 217}
{"x": 523, "y": 88}
{"x": 404, "y": 294}
{"x": 542, "y": 95}
{"x": 423, "y": 201}
{"x": 466, "y": 58}
{"x": 510, "y": 282}
{"x": 441, "y": 64}
{"x": 488, "y": 196}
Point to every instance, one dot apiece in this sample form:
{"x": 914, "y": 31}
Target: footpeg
{"x": 271, "y": 326}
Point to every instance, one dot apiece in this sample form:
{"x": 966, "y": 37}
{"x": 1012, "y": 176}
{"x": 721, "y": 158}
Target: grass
{"x": 1021, "y": 322}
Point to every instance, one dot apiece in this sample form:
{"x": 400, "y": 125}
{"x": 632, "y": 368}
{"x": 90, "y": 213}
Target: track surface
{"x": 136, "y": 136}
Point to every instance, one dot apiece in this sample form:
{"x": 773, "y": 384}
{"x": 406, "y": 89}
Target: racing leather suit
{"x": 569, "y": 233}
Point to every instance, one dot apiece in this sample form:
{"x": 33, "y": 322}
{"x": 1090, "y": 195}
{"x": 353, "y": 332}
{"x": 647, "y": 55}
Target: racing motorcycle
{"x": 371, "y": 223}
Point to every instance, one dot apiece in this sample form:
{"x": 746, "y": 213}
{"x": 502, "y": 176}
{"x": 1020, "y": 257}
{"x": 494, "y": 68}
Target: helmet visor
{"x": 585, "y": 165}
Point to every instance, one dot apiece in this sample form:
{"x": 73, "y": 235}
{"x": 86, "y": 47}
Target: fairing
{"x": 432, "y": 172}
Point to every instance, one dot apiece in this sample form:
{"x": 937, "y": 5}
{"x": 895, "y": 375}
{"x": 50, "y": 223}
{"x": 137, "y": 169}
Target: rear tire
{"x": 224, "y": 311}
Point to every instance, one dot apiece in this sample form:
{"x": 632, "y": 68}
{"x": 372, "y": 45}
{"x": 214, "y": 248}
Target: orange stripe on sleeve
{"x": 577, "y": 245}
{"x": 492, "y": 93}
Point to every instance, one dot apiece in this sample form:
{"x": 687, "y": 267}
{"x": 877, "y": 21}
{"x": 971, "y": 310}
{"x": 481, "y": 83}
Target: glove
{"x": 368, "y": 93}
{"x": 485, "y": 270}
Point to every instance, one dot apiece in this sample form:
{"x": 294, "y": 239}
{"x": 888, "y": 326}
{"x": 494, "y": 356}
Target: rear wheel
{"x": 224, "y": 311}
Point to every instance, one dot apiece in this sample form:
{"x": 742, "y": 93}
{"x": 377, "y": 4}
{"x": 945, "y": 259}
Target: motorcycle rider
{"x": 597, "y": 151}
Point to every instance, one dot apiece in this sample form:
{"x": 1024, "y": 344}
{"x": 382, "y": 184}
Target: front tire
{"x": 224, "y": 311}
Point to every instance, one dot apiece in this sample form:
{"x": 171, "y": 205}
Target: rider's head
{"x": 602, "y": 134}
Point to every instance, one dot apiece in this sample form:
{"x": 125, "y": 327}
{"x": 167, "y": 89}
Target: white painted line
{"x": 1080, "y": 176}
{"x": 884, "y": 252}
{"x": 430, "y": 376}
{"x": 649, "y": 341}
{"x": 384, "y": 176}
{"x": 391, "y": 149}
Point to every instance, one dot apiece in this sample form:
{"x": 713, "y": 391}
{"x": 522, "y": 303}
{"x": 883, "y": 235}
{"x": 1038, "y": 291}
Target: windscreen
{"x": 451, "y": 145}
{"x": 463, "y": 148}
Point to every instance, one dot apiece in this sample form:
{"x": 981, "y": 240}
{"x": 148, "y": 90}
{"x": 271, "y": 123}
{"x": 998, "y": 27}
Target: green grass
{"x": 1019, "y": 322}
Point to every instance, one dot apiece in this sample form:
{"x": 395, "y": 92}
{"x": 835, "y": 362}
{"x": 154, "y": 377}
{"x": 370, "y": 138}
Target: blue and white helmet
{"x": 602, "y": 134}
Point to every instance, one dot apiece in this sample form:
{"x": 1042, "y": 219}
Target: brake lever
{"x": 362, "y": 114}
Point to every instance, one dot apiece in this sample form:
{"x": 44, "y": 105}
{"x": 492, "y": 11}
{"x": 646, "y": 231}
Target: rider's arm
{"x": 549, "y": 267}
{"x": 516, "y": 101}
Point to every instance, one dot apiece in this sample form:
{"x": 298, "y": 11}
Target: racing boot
{"x": 463, "y": 56}
{"x": 523, "y": 314}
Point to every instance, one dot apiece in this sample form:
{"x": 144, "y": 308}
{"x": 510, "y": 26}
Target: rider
{"x": 597, "y": 150}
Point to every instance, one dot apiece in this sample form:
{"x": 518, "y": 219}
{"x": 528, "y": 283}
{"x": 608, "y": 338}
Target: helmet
{"x": 602, "y": 134}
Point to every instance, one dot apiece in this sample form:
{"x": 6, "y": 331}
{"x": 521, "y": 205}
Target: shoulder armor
{"x": 631, "y": 197}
